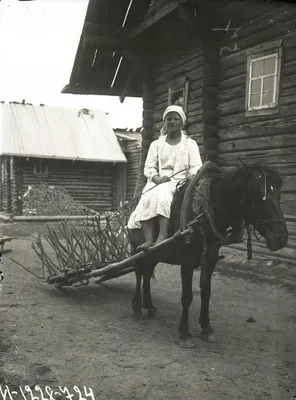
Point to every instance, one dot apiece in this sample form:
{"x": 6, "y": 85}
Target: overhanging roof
{"x": 115, "y": 32}
{"x": 100, "y": 67}
{"x": 60, "y": 133}
{"x": 104, "y": 64}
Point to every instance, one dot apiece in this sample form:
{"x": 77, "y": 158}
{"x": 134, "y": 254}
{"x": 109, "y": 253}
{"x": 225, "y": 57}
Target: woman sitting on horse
{"x": 172, "y": 153}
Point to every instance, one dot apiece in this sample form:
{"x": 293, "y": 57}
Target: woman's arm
{"x": 195, "y": 161}
{"x": 151, "y": 164}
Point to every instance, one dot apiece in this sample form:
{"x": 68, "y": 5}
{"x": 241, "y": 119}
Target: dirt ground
{"x": 86, "y": 336}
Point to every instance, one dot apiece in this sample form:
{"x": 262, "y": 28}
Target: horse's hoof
{"x": 137, "y": 314}
{"x": 208, "y": 337}
{"x": 187, "y": 343}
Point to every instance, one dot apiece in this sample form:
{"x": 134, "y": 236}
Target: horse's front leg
{"x": 148, "y": 270}
{"x": 186, "y": 300}
{"x": 208, "y": 264}
{"x": 137, "y": 299}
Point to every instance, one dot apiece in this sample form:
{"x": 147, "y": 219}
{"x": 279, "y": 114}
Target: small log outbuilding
{"x": 231, "y": 64}
{"x": 73, "y": 149}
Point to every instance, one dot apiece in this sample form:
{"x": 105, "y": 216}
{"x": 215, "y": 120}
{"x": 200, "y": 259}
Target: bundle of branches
{"x": 68, "y": 254}
{"x": 50, "y": 200}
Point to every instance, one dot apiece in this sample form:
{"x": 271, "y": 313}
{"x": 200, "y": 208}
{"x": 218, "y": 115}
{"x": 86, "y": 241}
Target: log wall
{"x": 89, "y": 183}
{"x": 188, "y": 65}
{"x": 5, "y": 188}
{"x": 180, "y": 58}
{"x": 132, "y": 153}
{"x": 147, "y": 134}
{"x": 268, "y": 138}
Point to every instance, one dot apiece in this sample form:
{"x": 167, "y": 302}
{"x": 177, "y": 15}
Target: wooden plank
{"x": 167, "y": 8}
{"x": 92, "y": 28}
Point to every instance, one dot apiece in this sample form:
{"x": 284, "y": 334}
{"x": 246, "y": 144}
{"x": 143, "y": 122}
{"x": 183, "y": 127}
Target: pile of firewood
{"x": 47, "y": 200}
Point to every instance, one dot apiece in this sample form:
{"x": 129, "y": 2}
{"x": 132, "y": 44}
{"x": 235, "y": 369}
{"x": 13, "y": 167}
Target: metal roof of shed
{"x": 54, "y": 132}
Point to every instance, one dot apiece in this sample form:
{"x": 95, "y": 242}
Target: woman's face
{"x": 173, "y": 123}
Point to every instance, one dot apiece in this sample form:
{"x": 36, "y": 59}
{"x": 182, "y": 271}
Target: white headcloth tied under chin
{"x": 176, "y": 109}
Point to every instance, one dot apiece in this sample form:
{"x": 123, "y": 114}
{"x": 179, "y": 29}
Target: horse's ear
{"x": 245, "y": 168}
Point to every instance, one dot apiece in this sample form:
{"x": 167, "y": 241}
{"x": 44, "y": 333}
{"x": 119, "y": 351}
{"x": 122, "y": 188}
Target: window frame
{"x": 37, "y": 174}
{"x": 176, "y": 86}
{"x": 257, "y": 53}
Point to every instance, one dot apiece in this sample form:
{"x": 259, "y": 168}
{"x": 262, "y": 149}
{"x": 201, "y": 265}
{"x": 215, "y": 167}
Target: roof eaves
{"x": 123, "y": 160}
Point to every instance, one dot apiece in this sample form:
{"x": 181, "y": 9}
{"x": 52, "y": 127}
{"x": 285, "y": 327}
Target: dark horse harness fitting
{"x": 259, "y": 220}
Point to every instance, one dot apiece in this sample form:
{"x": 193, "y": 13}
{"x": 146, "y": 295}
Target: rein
{"x": 140, "y": 195}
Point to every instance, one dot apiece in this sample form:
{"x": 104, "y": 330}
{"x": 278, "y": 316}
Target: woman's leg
{"x": 149, "y": 232}
{"x": 164, "y": 224}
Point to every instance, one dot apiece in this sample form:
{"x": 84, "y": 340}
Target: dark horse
{"x": 247, "y": 196}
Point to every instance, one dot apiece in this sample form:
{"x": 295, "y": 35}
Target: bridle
{"x": 259, "y": 221}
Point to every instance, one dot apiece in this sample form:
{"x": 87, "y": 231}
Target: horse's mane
{"x": 229, "y": 176}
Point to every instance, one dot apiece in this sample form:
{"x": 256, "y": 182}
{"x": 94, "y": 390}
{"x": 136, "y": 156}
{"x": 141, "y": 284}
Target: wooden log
{"x": 289, "y": 68}
{"x": 290, "y": 56}
{"x": 193, "y": 107}
{"x": 239, "y": 119}
{"x": 230, "y": 83}
{"x": 192, "y": 70}
{"x": 195, "y": 128}
{"x": 195, "y": 117}
{"x": 230, "y": 94}
{"x": 210, "y": 143}
{"x": 194, "y": 54}
{"x": 259, "y": 129}
{"x": 210, "y": 130}
{"x": 273, "y": 142}
{"x": 210, "y": 115}
{"x": 196, "y": 94}
{"x": 232, "y": 107}
{"x": 269, "y": 157}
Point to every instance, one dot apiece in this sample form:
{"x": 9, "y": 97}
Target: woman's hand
{"x": 157, "y": 179}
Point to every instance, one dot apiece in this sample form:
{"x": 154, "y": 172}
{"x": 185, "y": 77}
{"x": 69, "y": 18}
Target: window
{"x": 178, "y": 93}
{"x": 263, "y": 80}
{"x": 40, "y": 169}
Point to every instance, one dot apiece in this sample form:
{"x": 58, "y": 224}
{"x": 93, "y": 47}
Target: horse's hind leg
{"x": 147, "y": 275}
{"x": 137, "y": 299}
{"x": 186, "y": 300}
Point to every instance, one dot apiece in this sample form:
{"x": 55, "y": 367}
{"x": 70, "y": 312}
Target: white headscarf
{"x": 176, "y": 109}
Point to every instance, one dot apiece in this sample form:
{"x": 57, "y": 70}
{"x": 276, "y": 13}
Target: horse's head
{"x": 262, "y": 207}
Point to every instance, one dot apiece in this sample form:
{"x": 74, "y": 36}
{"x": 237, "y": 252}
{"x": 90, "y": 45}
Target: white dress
{"x": 164, "y": 159}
